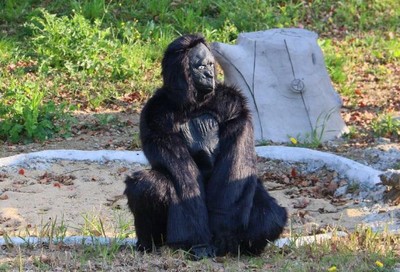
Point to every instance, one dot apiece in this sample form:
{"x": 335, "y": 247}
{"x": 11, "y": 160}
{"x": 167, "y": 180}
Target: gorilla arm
{"x": 167, "y": 153}
{"x": 230, "y": 190}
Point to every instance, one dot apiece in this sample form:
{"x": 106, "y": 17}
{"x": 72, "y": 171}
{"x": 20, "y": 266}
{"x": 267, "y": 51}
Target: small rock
{"x": 329, "y": 209}
{"x": 341, "y": 191}
{"x": 3, "y": 197}
{"x": 382, "y": 140}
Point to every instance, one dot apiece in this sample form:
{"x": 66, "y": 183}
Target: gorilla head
{"x": 201, "y": 63}
{"x": 188, "y": 70}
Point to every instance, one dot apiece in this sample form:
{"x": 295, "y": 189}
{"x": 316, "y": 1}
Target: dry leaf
{"x": 3, "y": 197}
{"x": 301, "y": 203}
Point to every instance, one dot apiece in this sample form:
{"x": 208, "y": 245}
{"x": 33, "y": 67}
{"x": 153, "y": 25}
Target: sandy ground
{"x": 66, "y": 191}
{"x": 77, "y": 194}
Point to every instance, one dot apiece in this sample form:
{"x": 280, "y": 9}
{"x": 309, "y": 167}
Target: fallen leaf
{"x": 122, "y": 170}
{"x": 301, "y": 203}
{"x": 3, "y": 177}
{"x": 45, "y": 178}
{"x": 3, "y": 197}
{"x": 293, "y": 173}
{"x": 45, "y": 259}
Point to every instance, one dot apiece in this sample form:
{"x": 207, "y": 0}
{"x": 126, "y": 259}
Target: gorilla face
{"x": 201, "y": 63}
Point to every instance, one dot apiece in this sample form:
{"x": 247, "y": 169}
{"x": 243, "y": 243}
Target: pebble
{"x": 382, "y": 140}
{"x": 341, "y": 191}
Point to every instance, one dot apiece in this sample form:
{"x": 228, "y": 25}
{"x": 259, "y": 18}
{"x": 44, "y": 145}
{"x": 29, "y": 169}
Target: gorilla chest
{"x": 201, "y": 136}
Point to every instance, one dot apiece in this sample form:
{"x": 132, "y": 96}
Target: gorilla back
{"x": 201, "y": 193}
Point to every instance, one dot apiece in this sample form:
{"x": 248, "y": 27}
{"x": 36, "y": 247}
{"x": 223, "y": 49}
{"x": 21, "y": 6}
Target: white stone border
{"x": 352, "y": 170}
{"x": 89, "y": 240}
{"x": 76, "y": 155}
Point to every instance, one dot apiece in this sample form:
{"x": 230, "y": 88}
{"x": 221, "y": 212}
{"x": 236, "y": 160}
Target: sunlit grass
{"x": 361, "y": 250}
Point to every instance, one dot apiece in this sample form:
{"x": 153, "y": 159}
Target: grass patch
{"x": 361, "y": 250}
{"x": 26, "y": 116}
{"x": 385, "y": 125}
{"x": 95, "y": 52}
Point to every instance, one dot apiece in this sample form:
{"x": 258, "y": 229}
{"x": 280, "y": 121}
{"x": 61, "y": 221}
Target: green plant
{"x": 314, "y": 138}
{"x": 75, "y": 44}
{"x": 106, "y": 119}
{"x": 25, "y": 115}
{"x": 352, "y": 133}
{"x": 396, "y": 166}
{"x": 5, "y": 267}
{"x": 334, "y": 61}
{"x": 136, "y": 143}
{"x": 12, "y": 9}
{"x": 6, "y": 50}
{"x": 91, "y": 9}
{"x": 93, "y": 225}
{"x": 352, "y": 187}
{"x": 386, "y": 125}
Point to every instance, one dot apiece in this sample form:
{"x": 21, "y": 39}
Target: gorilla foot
{"x": 202, "y": 251}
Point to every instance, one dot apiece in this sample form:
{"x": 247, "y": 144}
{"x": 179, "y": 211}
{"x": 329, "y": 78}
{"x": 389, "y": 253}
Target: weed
{"x": 74, "y": 44}
{"x": 353, "y": 187}
{"x": 351, "y": 134}
{"x": 5, "y": 267}
{"x": 12, "y": 9}
{"x": 396, "y": 166}
{"x": 91, "y": 9}
{"x": 105, "y": 120}
{"x": 314, "y": 138}
{"x": 93, "y": 226}
{"x": 136, "y": 143}
{"x": 25, "y": 115}
{"x": 386, "y": 125}
{"x": 6, "y": 50}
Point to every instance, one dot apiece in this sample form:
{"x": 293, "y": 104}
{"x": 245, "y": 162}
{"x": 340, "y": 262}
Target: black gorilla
{"x": 202, "y": 193}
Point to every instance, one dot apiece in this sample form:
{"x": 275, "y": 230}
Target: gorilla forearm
{"x": 170, "y": 156}
{"x": 231, "y": 189}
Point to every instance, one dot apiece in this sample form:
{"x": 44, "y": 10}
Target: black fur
{"x": 175, "y": 203}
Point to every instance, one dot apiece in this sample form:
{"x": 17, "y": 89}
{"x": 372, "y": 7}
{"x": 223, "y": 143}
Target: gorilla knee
{"x": 148, "y": 201}
{"x": 147, "y": 185}
{"x": 276, "y": 220}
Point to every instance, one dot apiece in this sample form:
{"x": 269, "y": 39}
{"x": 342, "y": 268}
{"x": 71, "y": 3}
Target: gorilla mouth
{"x": 209, "y": 89}
{"x": 208, "y": 85}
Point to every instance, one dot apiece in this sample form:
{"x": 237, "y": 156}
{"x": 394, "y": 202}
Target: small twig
{"x": 76, "y": 170}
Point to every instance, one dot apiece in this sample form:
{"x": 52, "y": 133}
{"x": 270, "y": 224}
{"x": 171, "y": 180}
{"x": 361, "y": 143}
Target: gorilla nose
{"x": 209, "y": 74}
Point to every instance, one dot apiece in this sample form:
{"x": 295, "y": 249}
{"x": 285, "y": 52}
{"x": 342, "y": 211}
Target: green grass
{"x": 385, "y": 125}
{"x": 362, "y": 250}
{"x": 93, "y": 52}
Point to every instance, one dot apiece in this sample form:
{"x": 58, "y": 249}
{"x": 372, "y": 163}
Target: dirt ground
{"x": 75, "y": 193}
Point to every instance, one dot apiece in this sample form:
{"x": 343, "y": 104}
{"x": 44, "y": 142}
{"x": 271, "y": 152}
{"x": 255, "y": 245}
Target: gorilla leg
{"x": 148, "y": 194}
{"x": 267, "y": 220}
